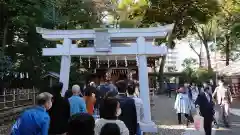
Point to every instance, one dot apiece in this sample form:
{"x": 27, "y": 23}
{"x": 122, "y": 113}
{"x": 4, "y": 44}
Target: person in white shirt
{"x": 109, "y": 112}
{"x": 138, "y": 104}
{"x": 224, "y": 99}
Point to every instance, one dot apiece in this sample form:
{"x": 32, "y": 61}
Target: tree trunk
{"x": 208, "y": 55}
{"x": 4, "y": 40}
{"x": 200, "y": 57}
{"x": 160, "y": 75}
{"x": 198, "y": 54}
{"x": 227, "y": 49}
{"x": 200, "y": 61}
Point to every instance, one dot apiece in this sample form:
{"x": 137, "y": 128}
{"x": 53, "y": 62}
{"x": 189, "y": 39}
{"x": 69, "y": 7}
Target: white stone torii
{"x": 141, "y": 48}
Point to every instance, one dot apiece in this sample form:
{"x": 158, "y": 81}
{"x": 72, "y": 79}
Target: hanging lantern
{"x": 89, "y": 62}
{"x": 116, "y": 62}
{"x": 126, "y": 63}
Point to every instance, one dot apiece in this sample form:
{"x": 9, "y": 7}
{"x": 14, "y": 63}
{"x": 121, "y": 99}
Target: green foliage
{"x": 228, "y": 36}
{"x": 6, "y": 65}
{"x": 128, "y": 13}
{"x": 189, "y": 63}
{"x": 203, "y": 74}
{"x": 197, "y": 75}
{"x": 183, "y": 13}
{"x": 23, "y": 46}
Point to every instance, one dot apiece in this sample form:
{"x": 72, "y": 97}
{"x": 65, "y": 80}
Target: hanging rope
{"x": 80, "y": 60}
{"x": 98, "y": 65}
{"x": 126, "y": 63}
{"x": 89, "y": 62}
{"x": 116, "y": 62}
{"x": 108, "y": 62}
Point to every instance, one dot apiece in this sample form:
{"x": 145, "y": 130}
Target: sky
{"x": 184, "y": 51}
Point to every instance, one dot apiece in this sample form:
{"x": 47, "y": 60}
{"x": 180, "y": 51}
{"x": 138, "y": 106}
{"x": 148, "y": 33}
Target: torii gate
{"x": 102, "y": 47}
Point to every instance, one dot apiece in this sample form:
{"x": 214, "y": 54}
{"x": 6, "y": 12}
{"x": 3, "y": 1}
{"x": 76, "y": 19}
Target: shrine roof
{"x": 52, "y": 74}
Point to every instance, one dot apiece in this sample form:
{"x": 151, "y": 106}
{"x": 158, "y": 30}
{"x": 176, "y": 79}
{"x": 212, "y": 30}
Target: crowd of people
{"x": 106, "y": 109}
{"x": 203, "y": 100}
{"x": 115, "y": 109}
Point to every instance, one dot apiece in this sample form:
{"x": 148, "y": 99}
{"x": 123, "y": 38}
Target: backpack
{"x": 103, "y": 89}
{"x": 100, "y": 93}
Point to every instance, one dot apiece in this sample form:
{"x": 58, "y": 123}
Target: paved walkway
{"x": 166, "y": 119}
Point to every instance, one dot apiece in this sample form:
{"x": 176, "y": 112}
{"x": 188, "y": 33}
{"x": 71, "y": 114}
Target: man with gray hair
{"x": 35, "y": 121}
{"x": 77, "y": 103}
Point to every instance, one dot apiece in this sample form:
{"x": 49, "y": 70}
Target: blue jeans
{"x": 138, "y": 129}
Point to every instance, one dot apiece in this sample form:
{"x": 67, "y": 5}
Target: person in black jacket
{"x": 206, "y": 106}
{"x": 127, "y": 104}
{"x": 60, "y": 111}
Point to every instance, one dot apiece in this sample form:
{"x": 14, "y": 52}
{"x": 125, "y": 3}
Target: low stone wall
{"x": 5, "y": 130}
{"x": 8, "y": 117}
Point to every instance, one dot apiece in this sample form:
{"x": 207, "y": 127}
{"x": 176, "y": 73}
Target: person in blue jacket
{"x": 34, "y": 121}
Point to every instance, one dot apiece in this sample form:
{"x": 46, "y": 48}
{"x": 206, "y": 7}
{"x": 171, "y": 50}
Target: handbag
{"x": 198, "y": 122}
{"x": 198, "y": 125}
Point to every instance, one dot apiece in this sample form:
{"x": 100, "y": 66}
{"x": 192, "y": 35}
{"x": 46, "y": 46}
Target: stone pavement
{"x": 165, "y": 117}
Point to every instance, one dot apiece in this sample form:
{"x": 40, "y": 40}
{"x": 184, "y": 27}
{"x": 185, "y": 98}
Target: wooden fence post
{"x": 34, "y": 94}
{"x": 28, "y": 92}
{"x": 14, "y": 98}
{"x": 4, "y": 98}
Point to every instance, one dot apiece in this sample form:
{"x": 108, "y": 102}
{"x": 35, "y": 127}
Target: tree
{"x": 193, "y": 74}
{"x": 206, "y": 33}
{"x": 184, "y": 14}
{"x": 193, "y": 43}
{"x": 203, "y": 75}
{"x": 189, "y": 69}
{"x": 189, "y": 63}
{"x": 23, "y": 45}
{"x": 5, "y": 65}
{"x": 127, "y": 13}
{"x": 228, "y": 23}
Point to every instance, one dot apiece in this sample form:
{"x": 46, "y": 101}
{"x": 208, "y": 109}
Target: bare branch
{"x": 191, "y": 46}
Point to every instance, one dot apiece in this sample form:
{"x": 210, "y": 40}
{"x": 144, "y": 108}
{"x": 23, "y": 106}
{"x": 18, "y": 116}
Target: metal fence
{"x": 13, "y": 98}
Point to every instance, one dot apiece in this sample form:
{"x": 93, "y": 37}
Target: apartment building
{"x": 171, "y": 61}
